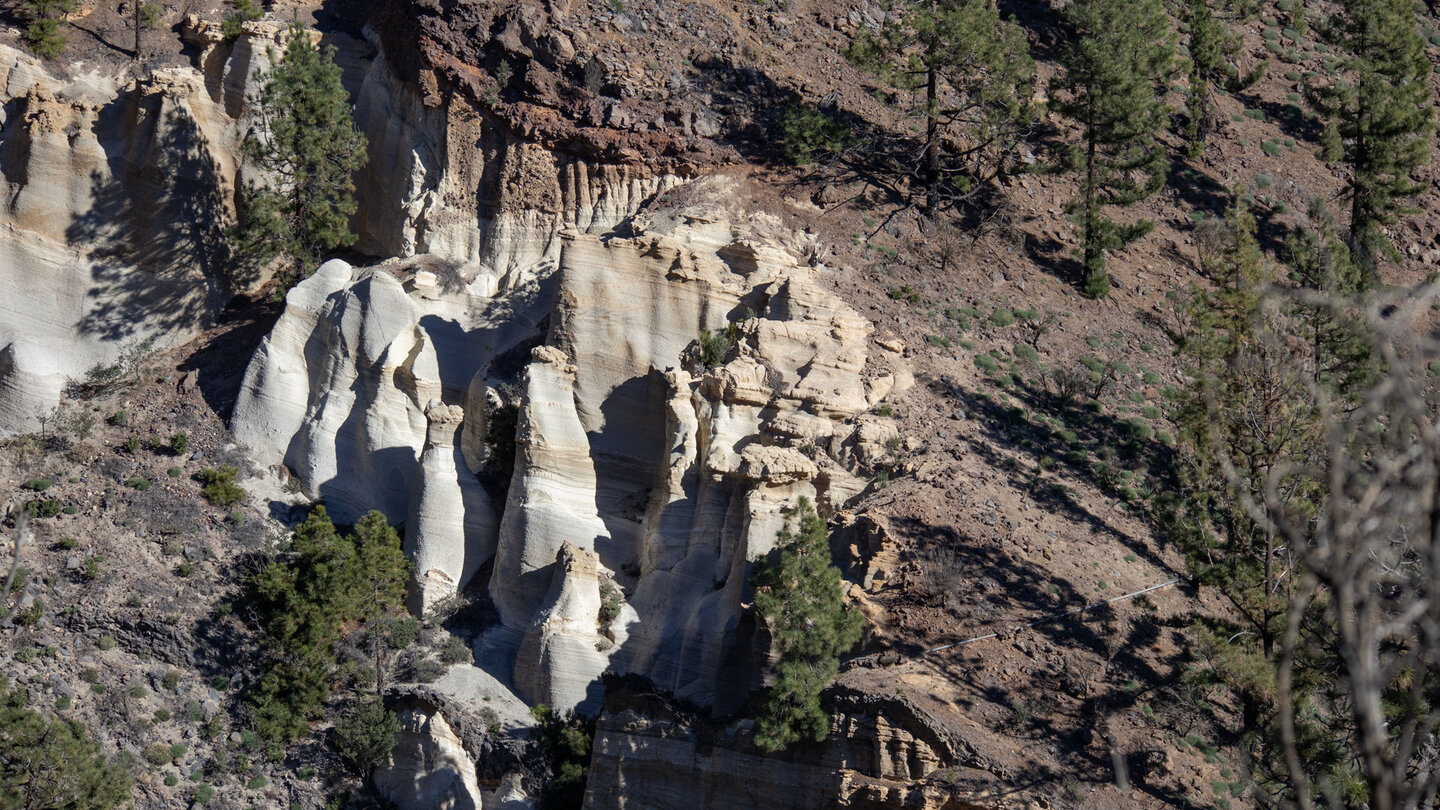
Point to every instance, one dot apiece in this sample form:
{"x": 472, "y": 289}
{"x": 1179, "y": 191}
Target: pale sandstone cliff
{"x": 111, "y": 188}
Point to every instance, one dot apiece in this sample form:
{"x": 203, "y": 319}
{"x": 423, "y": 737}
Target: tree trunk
{"x": 1091, "y": 250}
{"x": 932, "y": 138}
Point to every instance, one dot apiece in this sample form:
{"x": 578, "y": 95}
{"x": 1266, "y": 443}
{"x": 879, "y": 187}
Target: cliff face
{"x": 111, "y": 193}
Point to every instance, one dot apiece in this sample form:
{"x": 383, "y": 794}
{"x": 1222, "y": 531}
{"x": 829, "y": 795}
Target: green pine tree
{"x": 44, "y": 19}
{"x": 308, "y": 601}
{"x": 1248, "y": 412}
{"x": 1115, "y": 76}
{"x": 976, "y": 79}
{"x": 1340, "y": 340}
{"x": 802, "y": 600}
{"x": 1213, "y": 47}
{"x": 307, "y": 148}
{"x": 365, "y": 735}
{"x": 51, "y": 763}
{"x": 1380, "y": 118}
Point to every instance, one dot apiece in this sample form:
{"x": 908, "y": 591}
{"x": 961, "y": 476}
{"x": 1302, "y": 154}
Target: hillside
{"x": 609, "y": 315}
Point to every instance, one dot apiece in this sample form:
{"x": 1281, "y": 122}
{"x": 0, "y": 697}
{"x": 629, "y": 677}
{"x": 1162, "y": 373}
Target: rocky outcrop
{"x": 648, "y": 752}
{"x": 430, "y": 765}
{"x": 650, "y": 470}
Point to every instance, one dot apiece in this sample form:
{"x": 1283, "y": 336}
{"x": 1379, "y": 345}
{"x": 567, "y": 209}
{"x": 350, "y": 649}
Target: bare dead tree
{"x": 1370, "y": 557}
{"x": 21, "y": 527}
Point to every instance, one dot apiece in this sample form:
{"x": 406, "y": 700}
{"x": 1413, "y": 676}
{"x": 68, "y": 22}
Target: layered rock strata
{"x": 649, "y": 753}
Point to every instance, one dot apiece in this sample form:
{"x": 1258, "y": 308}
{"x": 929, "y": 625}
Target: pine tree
{"x": 309, "y": 601}
{"x": 308, "y": 150}
{"x": 52, "y": 763}
{"x": 802, "y": 600}
{"x": 976, "y": 78}
{"x": 1115, "y": 75}
{"x": 1213, "y": 47}
{"x": 365, "y": 735}
{"x": 42, "y": 33}
{"x": 1250, "y": 411}
{"x": 1340, "y": 342}
{"x": 1380, "y": 118}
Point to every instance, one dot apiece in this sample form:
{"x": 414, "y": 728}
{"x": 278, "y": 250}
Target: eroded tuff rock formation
{"x": 645, "y": 474}
{"x": 649, "y": 753}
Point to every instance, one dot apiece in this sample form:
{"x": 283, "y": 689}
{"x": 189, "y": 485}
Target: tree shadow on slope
{"x": 155, "y": 219}
{"x": 1050, "y": 702}
{"x": 1048, "y": 435}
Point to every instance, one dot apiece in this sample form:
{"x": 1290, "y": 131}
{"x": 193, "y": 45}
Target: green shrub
{"x": 162, "y": 715}
{"x": 714, "y": 347}
{"x": 179, "y": 443}
{"x": 105, "y": 643}
{"x": 904, "y": 293}
{"x": 455, "y": 651}
{"x": 1262, "y": 181}
{"x": 401, "y": 632}
{"x": 938, "y": 341}
{"x": 36, "y": 484}
{"x": 1002, "y": 317}
{"x": 171, "y": 780}
{"x": 204, "y": 794}
{"x": 986, "y": 363}
{"x": 260, "y": 781}
{"x": 69, "y": 543}
{"x": 220, "y": 486}
{"x": 138, "y": 692}
{"x": 175, "y": 472}
{"x": 1270, "y": 148}
{"x": 185, "y": 569}
{"x": 63, "y": 702}
{"x": 220, "y": 682}
{"x": 1026, "y": 352}
{"x": 131, "y": 444}
{"x": 245, "y": 11}
{"x": 138, "y": 483}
